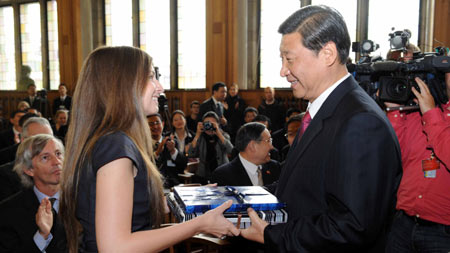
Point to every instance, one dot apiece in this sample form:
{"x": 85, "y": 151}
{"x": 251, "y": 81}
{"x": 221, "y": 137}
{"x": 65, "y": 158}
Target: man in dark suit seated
{"x": 344, "y": 167}
{"x": 28, "y": 219}
{"x": 63, "y": 102}
{"x": 253, "y": 165}
{"x": 11, "y": 136}
{"x": 169, "y": 160}
{"x": 8, "y": 154}
{"x": 9, "y": 181}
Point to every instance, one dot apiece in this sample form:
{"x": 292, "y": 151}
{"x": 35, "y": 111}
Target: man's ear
{"x": 29, "y": 172}
{"x": 329, "y": 53}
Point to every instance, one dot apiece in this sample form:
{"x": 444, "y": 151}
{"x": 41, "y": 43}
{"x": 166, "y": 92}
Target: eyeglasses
{"x": 268, "y": 140}
{"x": 290, "y": 135}
{"x": 154, "y": 123}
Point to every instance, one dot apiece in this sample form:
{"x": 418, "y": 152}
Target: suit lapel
{"x": 314, "y": 129}
{"x": 241, "y": 174}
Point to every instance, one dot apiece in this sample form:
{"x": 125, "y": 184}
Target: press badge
{"x": 430, "y": 166}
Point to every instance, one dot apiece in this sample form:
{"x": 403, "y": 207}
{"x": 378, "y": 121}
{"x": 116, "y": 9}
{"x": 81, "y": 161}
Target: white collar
{"x": 251, "y": 169}
{"x": 215, "y": 101}
{"x": 314, "y": 107}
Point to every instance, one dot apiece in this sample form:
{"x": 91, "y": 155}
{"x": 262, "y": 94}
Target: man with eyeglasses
{"x": 253, "y": 165}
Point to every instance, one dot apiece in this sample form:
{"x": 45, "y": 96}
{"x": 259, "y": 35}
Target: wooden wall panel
{"x": 441, "y": 23}
{"x": 69, "y": 41}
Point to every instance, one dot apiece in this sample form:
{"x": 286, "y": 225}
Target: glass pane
{"x": 7, "y": 50}
{"x": 272, "y": 15}
{"x": 53, "y": 54}
{"x": 118, "y": 23}
{"x": 154, "y": 24}
{"x": 348, "y": 9}
{"x": 30, "y": 34}
{"x": 386, "y": 14}
{"x": 191, "y": 44}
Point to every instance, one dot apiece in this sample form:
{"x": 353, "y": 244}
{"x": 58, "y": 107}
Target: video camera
{"x": 393, "y": 80}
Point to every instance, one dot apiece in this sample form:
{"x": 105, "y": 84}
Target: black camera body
{"x": 394, "y": 79}
{"x": 208, "y": 126}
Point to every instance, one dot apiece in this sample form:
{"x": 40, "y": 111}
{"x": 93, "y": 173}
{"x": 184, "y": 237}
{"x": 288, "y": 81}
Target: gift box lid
{"x": 204, "y": 198}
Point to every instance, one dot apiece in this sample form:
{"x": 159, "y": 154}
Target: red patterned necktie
{"x": 305, "y": 123}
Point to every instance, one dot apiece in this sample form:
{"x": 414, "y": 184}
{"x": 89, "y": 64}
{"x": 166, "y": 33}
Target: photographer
{"x": 211, "y": 145}
{"x": 423, "y": 202}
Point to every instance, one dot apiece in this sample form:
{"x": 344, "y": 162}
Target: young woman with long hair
{"x": 112, "y": 194}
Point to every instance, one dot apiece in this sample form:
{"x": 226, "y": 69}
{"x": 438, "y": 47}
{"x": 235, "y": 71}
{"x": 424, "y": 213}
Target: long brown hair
{"x": 107, "y": 99}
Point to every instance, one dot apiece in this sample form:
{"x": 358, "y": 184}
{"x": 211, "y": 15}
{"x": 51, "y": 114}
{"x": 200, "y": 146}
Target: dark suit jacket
{"x": 6, "y": 138}
{"x": 18, "y": 225}
{"x": 58, "y": 104}
{"x": 170, "y": 173}
{"x": 8, "y": 154}
{"x": 234, "y": 173}
{"x": 40, "y": 104}
{"x": 9, "y": 181}
{"x": 340, "y": 180}
{"x": 206, "y": 106}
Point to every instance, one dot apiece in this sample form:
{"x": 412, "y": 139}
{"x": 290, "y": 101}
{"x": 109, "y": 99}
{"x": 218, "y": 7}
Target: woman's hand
{"x": 214, "y": 223}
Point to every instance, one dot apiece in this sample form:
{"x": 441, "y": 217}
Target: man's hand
{"x": 161, "y": 146}
{"x": 44, "y": 218}
{"x": 256, "y": 231}
{"x": 170, "y": 144}
{"x": 424, "y": 97}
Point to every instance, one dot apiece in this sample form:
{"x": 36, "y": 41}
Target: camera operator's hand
{"x": 424, "y": 97}
{"x": 170, "y": 144}
{"x": 218, "y": 132}
{"x": 199, "y": 128}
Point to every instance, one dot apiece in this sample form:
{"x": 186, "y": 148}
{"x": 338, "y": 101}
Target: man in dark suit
{"x": 214, "y": 103}
{"x": 9, "y": 181}
{"x": 63, "y": 101}
{"x": 343, "y": 170}
{"x": 38, "y": 102}
{"x": 28, "y": 219}
{"x": 11, "y": 136}
{"x": 169, "y": 160}
{"x": 253, "y": 165}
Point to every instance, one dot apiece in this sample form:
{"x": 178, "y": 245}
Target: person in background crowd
{"x": 212, "y": 145}
{"x": 234, "y": 107}
{"x": 422, "y": 221}
{"x": 169, "y": 159}
{"x": 23, "y": 106}
{"x": 249, "y": 114}
{"x": 60, "y": 127}
{"x": 279, "y": 139}
{"x": 192, "y": 119}
{"x": 11, "y": 136}
{"x": 182, "y": 135}
{"x": 215, "y": 103}
{"x": 29, "y": 219}
{"x": 272, "y": 108}
{"x": 112, "y": 193}
{"x": 253, "y": 165}
{"x": 63, "y": 102}
{"x": 292, "y": 127}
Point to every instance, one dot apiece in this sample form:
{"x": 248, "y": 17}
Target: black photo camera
{"x": 208, "y": 126}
